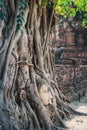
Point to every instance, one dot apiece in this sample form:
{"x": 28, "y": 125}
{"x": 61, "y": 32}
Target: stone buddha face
{"x": 45, "y": 94}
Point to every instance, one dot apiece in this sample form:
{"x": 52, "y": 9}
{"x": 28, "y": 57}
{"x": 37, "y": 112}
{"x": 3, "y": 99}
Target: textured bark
{"x": 30, "y": 98}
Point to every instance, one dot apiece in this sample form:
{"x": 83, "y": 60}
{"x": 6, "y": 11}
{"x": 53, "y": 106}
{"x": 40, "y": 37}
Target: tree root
{"x": 72, "y": 111}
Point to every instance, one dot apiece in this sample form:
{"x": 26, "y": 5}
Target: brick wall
{"x": 72, "y": 80}
{"x": 75, "y": 53}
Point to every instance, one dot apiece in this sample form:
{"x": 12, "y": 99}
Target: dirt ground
{"x": 78, "y": 122}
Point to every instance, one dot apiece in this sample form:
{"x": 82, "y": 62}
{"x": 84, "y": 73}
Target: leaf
{"x": 1, "y": 16}
{"x": 44, "y": 2}
{"x": 18, "y": 27}
{"x": 72, "y": 12}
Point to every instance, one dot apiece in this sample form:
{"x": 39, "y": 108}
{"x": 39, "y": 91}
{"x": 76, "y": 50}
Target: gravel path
{"x": 78, "y": 122}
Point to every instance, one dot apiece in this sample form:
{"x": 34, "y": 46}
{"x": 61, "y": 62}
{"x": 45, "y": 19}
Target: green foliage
{"x": 70, "y": 8}
{"x": 84, "y": 23}
{"x": 3, "y": 10}
{"x": 20, "y": 17}
{"x": 44, "y": 2}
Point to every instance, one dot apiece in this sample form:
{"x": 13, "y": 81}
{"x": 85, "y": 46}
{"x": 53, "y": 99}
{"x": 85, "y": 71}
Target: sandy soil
{"x": 78, "y": 122}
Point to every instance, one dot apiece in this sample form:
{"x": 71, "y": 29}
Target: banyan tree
{"x": 30, "y": 98}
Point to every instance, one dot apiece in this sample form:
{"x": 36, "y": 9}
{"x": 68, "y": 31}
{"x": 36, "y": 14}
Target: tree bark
{"x": 30, "y": 98}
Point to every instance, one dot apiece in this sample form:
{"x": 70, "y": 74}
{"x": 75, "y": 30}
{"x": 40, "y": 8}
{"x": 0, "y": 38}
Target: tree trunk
{"x": 30, "y": 98}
